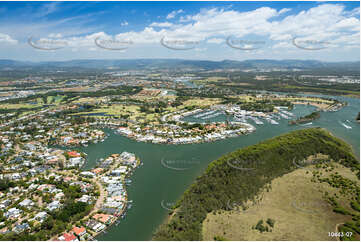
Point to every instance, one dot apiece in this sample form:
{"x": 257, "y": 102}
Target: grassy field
{"x": 120, "y": 110}
{"x": 295, "y": 203}
{"x": 88, "y": 100}
{"x": 244, "y": 98}
{"x": 307, "y": 99}
{"x": 115, "y": 109}
{"x": 134, "y": 111}
{"x": 54, "y": 99}
{"x": 317, "y": 90}
{"x": 18, "y": 105}
{"x": 201, "y": 102}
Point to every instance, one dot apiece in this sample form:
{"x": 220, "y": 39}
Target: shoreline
{"x": 320, "y": 106}
{"x": 352, "y": 147}
{"x": 197, "y": 141}
{"x": 122, "y": 212}
{"x": 103, "y": 194}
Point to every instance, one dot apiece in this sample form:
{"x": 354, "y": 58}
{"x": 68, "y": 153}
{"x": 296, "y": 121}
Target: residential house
{"x": 21, "y": 228}
{"x": 4, "y": 230}
{"x": 53, "y": 206}
{"x": 13, "y": 213}
{"x": 59, "y": 196}
{"x": 103, "y": 218}
{"x": 118, "y": 172}
{"x": 68, "y": 237}
{"x": 26, "y": 203}
{"x": 73, "y": 162}
{"x": 87, "y": 174}
{"x": 85, "y": 199}
{"x": 4, "y": 204}
{"x": 79, "y": 232}
{"x": 41, "y": 216}
{"x": 95, "y": 225}
{"x": 97, "y": 171}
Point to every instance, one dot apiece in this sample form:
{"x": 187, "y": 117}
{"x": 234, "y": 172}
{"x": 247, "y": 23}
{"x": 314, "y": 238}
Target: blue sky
{"x": 327, "y": 31}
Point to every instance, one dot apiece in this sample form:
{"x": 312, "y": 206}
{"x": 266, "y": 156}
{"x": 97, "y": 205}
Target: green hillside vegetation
{"x": 242, "y": 174}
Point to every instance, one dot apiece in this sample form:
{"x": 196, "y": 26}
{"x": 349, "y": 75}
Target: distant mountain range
{"x": 137, "y": 64}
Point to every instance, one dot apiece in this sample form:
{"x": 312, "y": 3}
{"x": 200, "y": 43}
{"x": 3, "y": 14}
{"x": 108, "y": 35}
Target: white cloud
{"x": 208, "y": 24}
{"x": 322, "y": 22}
{"x": 355, "y": 12}
{"x": 82, "y": 41}
{"x": 284, "y": 10}
{"x": 325, "y": 22}
{"x": 4, "y": 38}
{"x": 174, "y": 13}
{"x": 349, "y": 23}
{"x": 163, "y": 24}
{"x": 124, "y": 23}
{"x": 184, "y": 19}
{"x": 47, "y": 9}
{"x": 200, "y": 49}
{"x": 58, "y": 35}
{"x": 283, "y": 45}
{"x": 215, "y": 41}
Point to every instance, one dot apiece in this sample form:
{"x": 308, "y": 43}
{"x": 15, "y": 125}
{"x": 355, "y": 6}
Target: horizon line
{"x": 117, "y": 59}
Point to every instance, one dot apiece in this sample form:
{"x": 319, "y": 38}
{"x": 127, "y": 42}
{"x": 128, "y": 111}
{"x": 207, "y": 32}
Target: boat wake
{"x": 306, "y": 124}
{"x": 345, "y": 125}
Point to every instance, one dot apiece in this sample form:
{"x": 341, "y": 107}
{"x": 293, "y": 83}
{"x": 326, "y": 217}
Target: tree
{"x": 270, "y": 222}
{"x": 48, "y": 223}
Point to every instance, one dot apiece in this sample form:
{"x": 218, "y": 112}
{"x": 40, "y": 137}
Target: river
{"x": 157, "y": 186}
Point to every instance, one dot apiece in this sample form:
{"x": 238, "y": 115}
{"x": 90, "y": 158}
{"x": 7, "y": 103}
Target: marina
{"x": 271, "y": 121}
{"x": 256, "y": 120}
{"x": 284, "y": 116}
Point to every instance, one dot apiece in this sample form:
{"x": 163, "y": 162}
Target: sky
{"x": 57, "y": 31}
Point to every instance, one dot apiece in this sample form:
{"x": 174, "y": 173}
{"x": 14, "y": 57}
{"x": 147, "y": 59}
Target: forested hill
{"x": 240, "y": 175}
